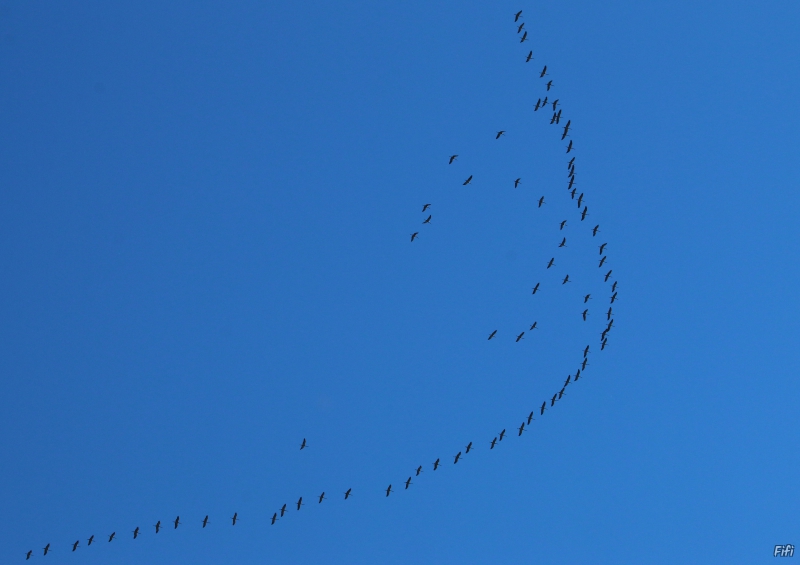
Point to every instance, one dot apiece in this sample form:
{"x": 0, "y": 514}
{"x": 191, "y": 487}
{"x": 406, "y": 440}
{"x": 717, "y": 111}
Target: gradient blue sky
{"x": 205, "y": 210}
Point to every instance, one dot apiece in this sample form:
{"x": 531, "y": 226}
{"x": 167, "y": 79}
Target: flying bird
{"x": 541, "y": 201}
{"x": 414, "y": 235}
{"x": 566, "y": 280}
{"x": 549, "y": 83}
{"x": 283, "y": 510}
{"x": 614, "y": 287}
{"x": 157, "y": 526}
{"x": 558, "y": 114}
{"x": 457, "y": 457}
{"x": 425, "y": 207}
{"x": 347, "y": 494}
{"x": 111, "y": 537}
{"x": 602, "y": 247}
{"x": 585, "y": 313}
{"x": 47, "y": 548}
{"x": 435, "y": 464}
{"x": 299, "y": 503}
{"x": 613, "y": 297}
{"x": 205, "y": 521}
{"x": 529, "y": 57}
{"x": 555, "y": 103}
{"x": 566, "y": 130}
{"x": 469, "y": 446}
{"x": 583, "y": 365}
{"x": 234, "y": 518}
{"x": 274, "y": 519}
{"x": 519, "y": 337}
{"x": 555, "y": 116}
{"x": 603, "y": 260}
{"x": 321, "y": 497}
{"x": 563, "y": 223}
{"x": 552, "y": 262}
{"x": 469, "y": 180}
{"x": 177, "y": 522}
{"x": 516, "y": 182}
{"x": 577, "y": 374}
{"x": 75, "y": 545}
{"x": 586, "y": 351}
{"x": 90, "y": 540}
{"x": 518, "y": 15}
{"x": 603, "y": 344}
{"x": 491, "y": 335}
{"x": 303, "y": 445}
{"x": 494, "y": 441}
{"x": 502, "y": 434}
{"x": 541, "y": 410}
{"x": 608, "y": 275}
{"x": 452, "y": 158}
{"x": 587, "y": 298}
{"x": 571, "y": 180}
{"x": 553, "y": 400}
{"x": 499, "y": 133}
{"x": 584, "y": 213}
{"x": 569, "y": 147}
{"x": 533, "y": 326}
{"x": 530, "y": 417}
{"x": 427, "y": 220}
{"x": 544, "y": 72}
{"x": 608, "y": 313}
{"x": 524, "y": 37}
{"x": 522, "y": 25}
{"x": 560, "y": 393}
{"x": 388, "y": 490}
{"x": 521, "y": 429}
{"x": 572, "y": 193}
{"x": 136, "y": 532}
{"x": 580, "y": 199}
{"x": 563, "y": 243}
{"x": 535, "y": 289}
{"x": 544, "y": 102}
{"x": 419, "y": 470}
{"x": 571, "y": 161}
{"x": 28, "y": 555}
{"x": 408, "y": 482}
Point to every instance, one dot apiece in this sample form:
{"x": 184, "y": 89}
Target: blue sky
{"x": 205, "y": 211}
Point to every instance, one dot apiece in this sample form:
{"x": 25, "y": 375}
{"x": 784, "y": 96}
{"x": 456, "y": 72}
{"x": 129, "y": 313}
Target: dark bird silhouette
{"x": 553, "y": 400}
{"x": 47, "y": 548}
{"x": 608, "y": 275}
{"x": 521, "y": 429}
{"x": 614, "y": 287}
{"x": 90, "y": 540}
{"x": 414, "y": 235}
{"x": 321, "y": 497}
{"x": 28, "y": 555}
{"x": 566, "y": 280}
{"x": 542, "y": 409}
{"x": 530, "y": 418}
{"x": 558, "y": 114}
{"x": 554, "y": 118}
{"x": 533, "y": 326}
{"x": 524, "y": 37}
{"x": 499, "y": 133}
{"x": 595, "y": 230}
{"x": 566, "y": 130}
{"x": 569, "y": 147}
{"x": 577, "y": 375}
{"x": 602, "y": 247}
{"x": 388, "y": 490}
{"x": 177, "y": 522}
{"x": 347, "y": 494}
{"x": 522, "y": 25}
{"x": 299, "y": 502}
{"x": 519, "y": 337}
{"x": 529, "y": 57}
{"x": 408, "y": 482}
{"x": 608, "y": 314}
{"x": 560, "y": 393}
{"x": 584, "y": 213}
{"x": 469, "y": 180}
{"x": 75, "y": 545}
{"x": 469, "y": 446}
{"x": 516, "y": 182}
{"x": 563, "y": 243}
{"x": 538, "y": 105}
{"x": 586, "y": 351}
{"x": 549, "y": 84}
{"x": 283, "y": 510}
{"x": 587, "y": 298}
{"x": 205, "y": 521}
{"x": 427, "y": 220}
{"x": 535, "y": 288}
{"x": 580, "y": 200}
{"x": 585, "y": 313}
{"x": 303, "y": 445}
{"x": 494, "y": 441}
{"x": 571, "y": 180}
{"x": 457, "y": 457}
{"x": 452, "y": 158}
{"x": 491, "y": 335}
{"x": 500, "y": 438}
{"x": 603, "y": 344}
{"x": 157, "y": 526}
{"x": 555, "y": 103}
{"x": 274, "y": 519}
{"x": 563, "y": 223}
{"x": 552, "y": 262}
{"x": 571, "y": 162}
{"x": 111, "y": 537}
{"x": 544, "y": 102}
{"x": 613, "y": 297}
{"x": 544, "y": 72}
{"x": 136, "y": 533}
{"x": 603, "y": 260}
{"x": 518, "y": 15}
{"x": 583, "y": 365}
{"x": 435, "y": 464}
{"x": 234, "y": 518}
{"x": 572, "y": 194}
{"x": 425, "y": 207}
{"x": 567, "y": 381}
{"x": 541, "y": 201}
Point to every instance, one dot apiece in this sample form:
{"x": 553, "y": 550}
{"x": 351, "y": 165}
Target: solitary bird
{"x": 613, "y": 297}
{"x": 608, "y": 275}
{"x": 530, "y": 417}
{"x": 518, "y": 15}
{"x": 457, "y": 457}
{"x": 580, "y": 199}
{"x": 566, "y": 280}
{"x": 529, "y": 57}
{"x": 563, "y": 223}
{"x": 519, "y": 337}
{"x": 436, "y": 464}
{"x": 299, "y": 502}
{"x": 533, "y": 326}
{"x": 516, "y": 182}
{"x": 111, "y": 537}
{"x": 585, "y": 313}
{"x": 602, "y": 247}
{"x": 544, "y": 72}
{"x": 452, "y": 158}
{"x": 90, "y": 540}
{"x": 542, "y": 409}
{"x": 136, "y": 532}
{"x": 303, "y": 445}
{"x": 563, "y": 243}
{"x": 522, "y": 25}
{"x": 75, "y": 545}
{"x": 205, "y": 521}
{"x": 274, "y": 518}
{"x": 603, "y": 260}
{"x": 587, "y": 298}
{"x": 569, "y": 147}
{"x": 614, "y": 287}
{"x": 177, "y": 522}
{"x": 524, "y": 37}
{"x": 491, "y": 335}
{"x": 388, "y": 490}
{"x": 47, "y": 548}
{"x": 469, "y": 446}
{"x": 608, "y": 314}
{"x": 234, "y": 518}
{"x": 321, "y": 497}
{"x": 584, "y": 213}
{"x": 534, "y": 290}
{"x": 499, "y": 133}
{"x": 414, "y": 235}
{"x": 552, "y": 262}
{"x": 28, "y": 555}
{"x": 541, "y": 201}
{"x": 408, "y": 482}
{"x": 158, "y": 526}
{"x": 549, "y": 83}
{"x": 500, "y": 438}
{"x": 427, "y": 220}
{"x": 347, "y": 494}
{"x": 521, "y": 429}
{"x": 283, "y": 510}
{"x": 469, "y": 180}
{"x": 494, "y": 441}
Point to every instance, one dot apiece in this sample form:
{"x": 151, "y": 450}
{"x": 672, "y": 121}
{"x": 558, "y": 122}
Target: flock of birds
{"x": 542, "y": 104}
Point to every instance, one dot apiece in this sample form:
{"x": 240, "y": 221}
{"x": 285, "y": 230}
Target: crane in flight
{"x": 111, "y": 537}
{"x": 157, "y": 526}
{"x": 436, "y": 464}
{"x": 535, "y": 289}
{"x": 469, "y": 180}
{"x": 205, "y": 521}
{"x": 501, "y": 132}
{"x": 452, "y": 158}
{"x": 234, "y": 518}
{"x": 388, "y": 490}
{"x": 347, "y": 493}
{"x": 321, "y": 497}
{"x": 457, "y": 457}
{"x": 519, "y": 337}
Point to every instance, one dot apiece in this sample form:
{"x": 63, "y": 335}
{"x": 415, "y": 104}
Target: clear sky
{"x": 205, "y": 215}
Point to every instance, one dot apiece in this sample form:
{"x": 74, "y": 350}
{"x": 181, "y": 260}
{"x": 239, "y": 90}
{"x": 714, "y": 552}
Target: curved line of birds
{"x": 541, "y": 104}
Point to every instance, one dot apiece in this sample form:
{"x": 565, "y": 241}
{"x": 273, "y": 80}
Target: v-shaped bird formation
{"x": 539, "y": 291}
